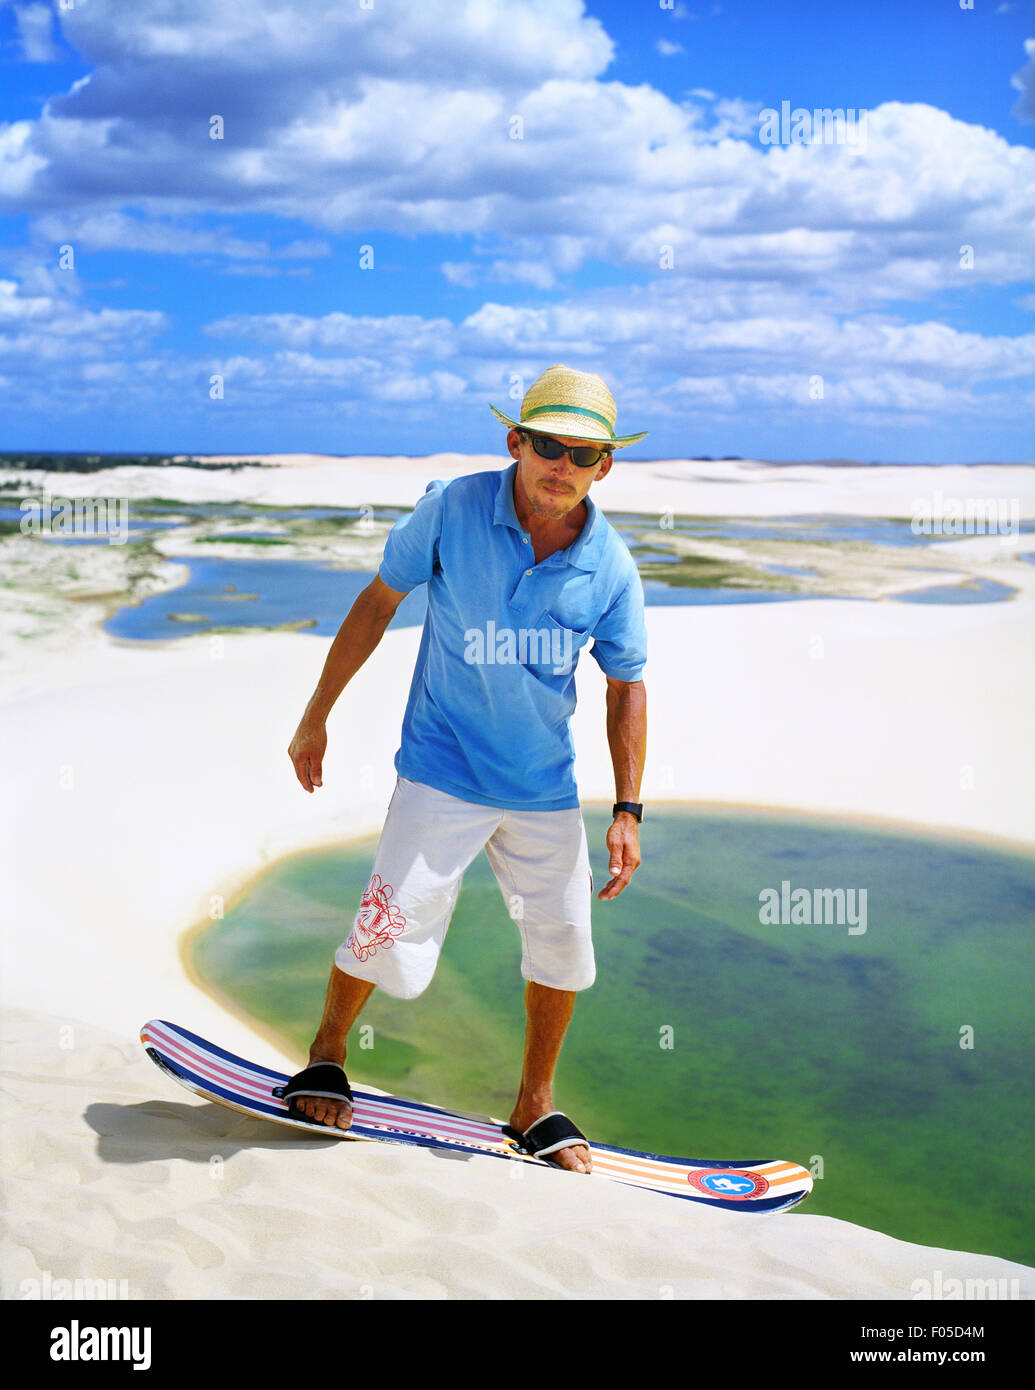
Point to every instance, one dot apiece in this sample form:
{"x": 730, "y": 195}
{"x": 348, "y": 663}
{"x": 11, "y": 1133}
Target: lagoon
{"x": 892, "y": 1062}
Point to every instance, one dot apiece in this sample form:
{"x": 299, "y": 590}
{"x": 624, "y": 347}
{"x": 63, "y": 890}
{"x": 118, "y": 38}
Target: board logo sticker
{"x": 734, "y": 1185}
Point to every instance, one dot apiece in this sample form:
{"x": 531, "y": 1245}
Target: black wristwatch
{"x": 633, "y": 807}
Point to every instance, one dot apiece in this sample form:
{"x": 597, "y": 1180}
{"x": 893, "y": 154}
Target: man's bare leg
{"x": 548, "y": 1013}
{"x": 345, "y": 999}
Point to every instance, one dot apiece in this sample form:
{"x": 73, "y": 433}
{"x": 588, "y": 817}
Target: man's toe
{"x": 334, "y": 1114}
{"x": 576, "y": 1159}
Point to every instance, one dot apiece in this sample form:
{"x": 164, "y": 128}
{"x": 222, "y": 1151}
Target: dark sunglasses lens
{"x": 586, "y": 457}
{"x": 547, "y": 448}
{"x": 582, "y": 456}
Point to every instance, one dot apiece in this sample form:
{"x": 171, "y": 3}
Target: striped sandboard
{"x": 747, "y": 1185}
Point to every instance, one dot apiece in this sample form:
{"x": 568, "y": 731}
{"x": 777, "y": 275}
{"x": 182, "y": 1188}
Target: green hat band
{"x": 570, "y": 410}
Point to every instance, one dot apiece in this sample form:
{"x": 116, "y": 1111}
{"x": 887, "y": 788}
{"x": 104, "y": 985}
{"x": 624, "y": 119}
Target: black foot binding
{"x": 547, "y": 1136}
{"x": 321, "y": 1080}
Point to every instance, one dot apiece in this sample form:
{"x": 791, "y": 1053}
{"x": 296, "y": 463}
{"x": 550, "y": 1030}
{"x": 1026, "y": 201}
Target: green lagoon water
{"x": 709, "y": 1034}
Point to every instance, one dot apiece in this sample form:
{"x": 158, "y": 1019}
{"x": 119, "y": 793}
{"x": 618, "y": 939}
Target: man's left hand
{"x": 623, "y": 845}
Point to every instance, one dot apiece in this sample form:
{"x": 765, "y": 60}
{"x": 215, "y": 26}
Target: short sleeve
{"x": 412, "y": 545}
{"x": 620, "y": 637}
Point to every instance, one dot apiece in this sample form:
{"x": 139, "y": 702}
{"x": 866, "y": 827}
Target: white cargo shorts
{"x": 541, "y": 863}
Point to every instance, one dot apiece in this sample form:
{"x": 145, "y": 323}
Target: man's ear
{"x": 513, "y": 443}
{"x": 604, "y": 468}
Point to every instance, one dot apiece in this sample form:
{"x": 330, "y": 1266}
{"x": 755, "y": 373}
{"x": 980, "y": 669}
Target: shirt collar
{"x": 584, "y": 552}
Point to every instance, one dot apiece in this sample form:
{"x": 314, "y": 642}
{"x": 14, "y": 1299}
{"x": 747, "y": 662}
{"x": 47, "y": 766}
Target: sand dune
{"x": 113, "y": 1173}
{"x": 149, "y": 784}
{"x": 745, "y": 487}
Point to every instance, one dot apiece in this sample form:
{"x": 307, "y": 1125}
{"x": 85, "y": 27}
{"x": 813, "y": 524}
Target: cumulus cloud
{"x": 497, "y": 122}
{"x": 57, "y": 328}
{"x": 709, "y": 353}
{"x": 329, "y": 117}
{"x": 58, "y": 355}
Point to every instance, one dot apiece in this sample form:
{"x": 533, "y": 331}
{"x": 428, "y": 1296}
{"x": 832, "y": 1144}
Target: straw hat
{"x": 574, "y": 405}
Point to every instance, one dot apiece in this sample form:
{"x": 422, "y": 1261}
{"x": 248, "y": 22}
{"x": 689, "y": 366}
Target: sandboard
{"x": 745, "y": 1185}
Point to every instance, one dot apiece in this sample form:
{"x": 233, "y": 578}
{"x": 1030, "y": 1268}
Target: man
{"x": 522, "y": 571}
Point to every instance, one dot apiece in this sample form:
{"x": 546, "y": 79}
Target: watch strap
{"x": 633, "y": 807}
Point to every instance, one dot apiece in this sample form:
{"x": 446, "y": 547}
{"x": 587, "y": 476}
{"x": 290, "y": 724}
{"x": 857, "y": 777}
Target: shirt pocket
{"x": 559, "y": 646}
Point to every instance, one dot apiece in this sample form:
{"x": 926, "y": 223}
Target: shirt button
{"x": 525, "y": 539}
{"x": 528, "y": 571}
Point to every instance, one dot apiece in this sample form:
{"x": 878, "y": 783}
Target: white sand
{"x": 114, "y": 1173}
{"x": 704, "y": 488}
{"x": 153, "y": 780}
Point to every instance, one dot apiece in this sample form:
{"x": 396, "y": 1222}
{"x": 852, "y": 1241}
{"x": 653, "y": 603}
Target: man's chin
{"x": 553, "y": 504}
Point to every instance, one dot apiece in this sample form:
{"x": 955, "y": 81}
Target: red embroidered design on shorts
{"x": 377, "y": 922}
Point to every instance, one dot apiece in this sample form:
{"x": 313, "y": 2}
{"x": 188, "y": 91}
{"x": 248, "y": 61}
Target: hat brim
{"x": 568, "y": 427}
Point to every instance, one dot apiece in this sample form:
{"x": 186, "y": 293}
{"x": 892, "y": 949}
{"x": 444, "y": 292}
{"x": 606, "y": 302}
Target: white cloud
{"x": 35, "y": 24}
{"x": 400, "y": 119}
{"x": 668, "y": 49}
{"x": 19, "y": 165}
{"x": 56, "y": 325}
{"x": 417, "y": 336}
{"x": 504, "y": 41}
{"x": 653, "y": 336}
{"x": 62, "y": 356}
{"x": 733, "y": 116}
{"x": 539, "y": 274}
{"x": 347, "y": 131}
{"x": 1024, "y": 81}
{"x": 331, "y": 384}
{"x": 117, "y": 231}
{"x": 619, "y": 172}
{"x": 860, "y": 396}
{"x": 667, "y": 352}
{"x": 464, "y": 273}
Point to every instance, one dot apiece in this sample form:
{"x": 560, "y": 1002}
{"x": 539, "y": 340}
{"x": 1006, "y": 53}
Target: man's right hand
{"x": 306, "y": 752}
{"x": 357, "y": 637}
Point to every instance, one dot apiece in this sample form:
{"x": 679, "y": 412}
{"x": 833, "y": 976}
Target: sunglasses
{"x": 582, "y": 455}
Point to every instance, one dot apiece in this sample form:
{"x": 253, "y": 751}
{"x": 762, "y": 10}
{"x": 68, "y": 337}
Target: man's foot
{"x": 335, "y": 1113}
{"x": 575, "y": 1158}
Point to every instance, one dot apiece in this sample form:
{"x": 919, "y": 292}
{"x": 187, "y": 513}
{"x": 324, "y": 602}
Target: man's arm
{"x": 357, "y": 637}
{"x": 627, "y": 739}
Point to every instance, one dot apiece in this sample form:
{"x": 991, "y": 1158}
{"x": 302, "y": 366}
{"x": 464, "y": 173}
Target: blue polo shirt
{"x": 493, "y": 689}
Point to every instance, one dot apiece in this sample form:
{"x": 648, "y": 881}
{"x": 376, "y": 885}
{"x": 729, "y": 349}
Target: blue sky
{"x": 538, "y": 181}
